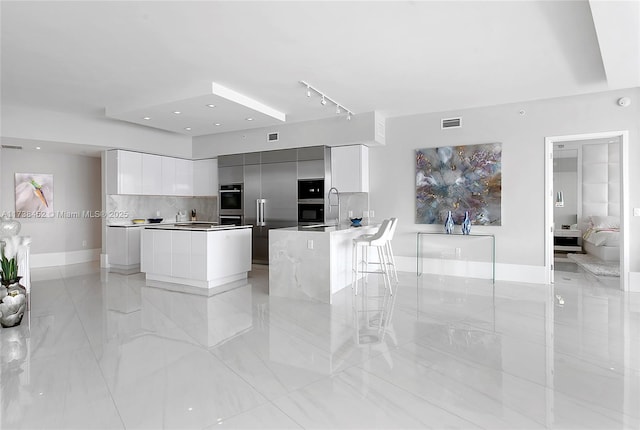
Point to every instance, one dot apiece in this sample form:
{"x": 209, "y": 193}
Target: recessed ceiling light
{"x": 211, "y": 106}
{"x": 188, "y": 128}
{"x": 218, "y": 124}
{"x": 146, "y": 118}
{"x": 37, "y": 147}
{"x": 249, "y": 119}
{"x": 177, "y": 112}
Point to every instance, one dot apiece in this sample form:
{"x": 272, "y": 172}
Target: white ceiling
{"x": 399, "y": 58}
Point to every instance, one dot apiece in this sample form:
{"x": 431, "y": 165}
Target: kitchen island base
{"x": 312, "y": 263}
{"x": 193, "y": 260}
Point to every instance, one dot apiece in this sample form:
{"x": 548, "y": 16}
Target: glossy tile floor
{"x": 101, "y": 350}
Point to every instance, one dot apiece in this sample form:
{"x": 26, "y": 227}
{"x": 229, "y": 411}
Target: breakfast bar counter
{"x": 196, "y": 258}
{"x": 312, "y": 263}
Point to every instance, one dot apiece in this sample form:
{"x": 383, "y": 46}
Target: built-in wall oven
{"x": 230, "y": 198}
{"x": 310, "y": 189}
{"x": 311, "y": 201}
{"x": 231, "y": 220}
{"x": 311, "y": 212}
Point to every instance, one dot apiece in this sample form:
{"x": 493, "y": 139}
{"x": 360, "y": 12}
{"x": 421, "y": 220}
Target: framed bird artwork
{"x": 34, "y": 195}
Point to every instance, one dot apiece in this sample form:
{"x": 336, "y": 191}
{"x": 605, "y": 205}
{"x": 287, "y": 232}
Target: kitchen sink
{"x": 318, "y": 225}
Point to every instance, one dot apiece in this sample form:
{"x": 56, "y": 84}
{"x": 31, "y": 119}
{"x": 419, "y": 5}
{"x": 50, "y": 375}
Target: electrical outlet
{"x": 350, "y": 214}
{"x": 84, "y": 243}
{"x": 371, "y": 213}
{"x": 636, "y": 211}
{"x": 365, "y": 214}
{"x": 310, "y": 244}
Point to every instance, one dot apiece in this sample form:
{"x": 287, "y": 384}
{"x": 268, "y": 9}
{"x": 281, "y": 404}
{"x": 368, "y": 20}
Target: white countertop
{"x": 194, "y": 226}
{"x": 163, "y": 223}
{"x": 324, "y": 228}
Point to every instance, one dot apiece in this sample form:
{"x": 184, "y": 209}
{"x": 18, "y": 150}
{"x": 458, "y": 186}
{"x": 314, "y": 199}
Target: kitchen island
{"x": 196, "y": 258}
{"x": 312, "y": 263}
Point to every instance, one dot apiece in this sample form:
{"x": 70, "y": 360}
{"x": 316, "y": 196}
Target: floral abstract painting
{"x": 459, "y": 179}
{"x": 34, "y": 195}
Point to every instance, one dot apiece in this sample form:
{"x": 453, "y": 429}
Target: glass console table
{"x": 462, "y": 238}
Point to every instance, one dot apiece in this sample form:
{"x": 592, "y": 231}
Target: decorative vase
{"x": 448, "y": 223}
{"x": 9, "y": 227}
{"x": 13, "y": 302}
{"x": 466, "y": 224}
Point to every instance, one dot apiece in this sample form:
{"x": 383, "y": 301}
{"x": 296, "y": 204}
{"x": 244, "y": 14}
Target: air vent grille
{"x": 11, "y": 147}
{"x": 451, "y": 122}
{"x": 273, "y": 137}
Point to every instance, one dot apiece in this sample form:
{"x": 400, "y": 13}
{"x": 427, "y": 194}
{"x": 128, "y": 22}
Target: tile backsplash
{"x": 168, "y": 206}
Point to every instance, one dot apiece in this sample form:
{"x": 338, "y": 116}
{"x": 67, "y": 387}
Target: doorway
{"x": 552, "y": 198}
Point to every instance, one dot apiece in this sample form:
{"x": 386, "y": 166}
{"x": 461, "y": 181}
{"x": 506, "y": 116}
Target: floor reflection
{"x": 441, "y": 352}
{"x": 210, "y": 321}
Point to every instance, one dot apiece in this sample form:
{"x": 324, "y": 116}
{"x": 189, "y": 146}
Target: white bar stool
{"x": 390, "y": 258}
{"x": 363, "y": 243}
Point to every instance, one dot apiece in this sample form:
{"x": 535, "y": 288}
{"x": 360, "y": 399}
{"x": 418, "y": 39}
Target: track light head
{"x": 324, "y": 99}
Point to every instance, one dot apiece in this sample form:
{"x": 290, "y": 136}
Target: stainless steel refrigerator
{"x": 270, "y": 196}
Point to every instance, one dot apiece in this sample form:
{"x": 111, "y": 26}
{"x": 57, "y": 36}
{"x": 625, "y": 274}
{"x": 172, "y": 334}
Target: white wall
{"x": 76, "y": 187}
{"x": 520, "y": 239}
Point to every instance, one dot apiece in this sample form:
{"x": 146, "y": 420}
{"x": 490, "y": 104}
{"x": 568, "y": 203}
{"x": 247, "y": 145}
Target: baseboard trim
{"x": 474, "y": 269}
{"x": 52, "y": 259}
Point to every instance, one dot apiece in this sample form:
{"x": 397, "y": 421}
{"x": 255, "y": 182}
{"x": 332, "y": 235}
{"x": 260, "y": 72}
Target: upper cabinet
{"x": 350, "y": 168}
{"x": 147, "y": 174}
{"x": 124, "y": 172}
{"x": 205, "y": 177}
{"x": 168, "y": 176}
{"x": 184, "y": 177}
{"x": 151, "y": 174}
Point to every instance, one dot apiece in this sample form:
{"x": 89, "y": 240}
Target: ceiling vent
{"x": 273, "y": 137}
{"x": 451, "y": 123}
{"x": 11, "y": 147}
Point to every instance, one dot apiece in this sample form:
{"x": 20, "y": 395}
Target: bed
{"x": 601, "y": 237}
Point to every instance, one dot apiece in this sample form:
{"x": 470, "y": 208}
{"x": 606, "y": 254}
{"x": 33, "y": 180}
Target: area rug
{"x": 595, "y": 265}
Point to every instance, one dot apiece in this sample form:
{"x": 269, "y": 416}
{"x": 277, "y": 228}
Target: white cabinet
{"x": 205, "y": 177}
{"x": 151, "y": 174}
{"x": 350, "y": 168}
{"x": 168, "y": 176}
{"x": 147, "y": 174}
{"x": 124, "y": 172}
{"x": 123, "y": 248}
{"x": 184, "y": 177}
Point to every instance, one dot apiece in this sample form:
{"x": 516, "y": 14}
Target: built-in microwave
{"x": 310, "y": 213}
{"x": 230, "y": 198}
{"x": 310, "y": 189}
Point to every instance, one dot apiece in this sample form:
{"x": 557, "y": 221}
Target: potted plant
{"x": 13, "y": 297}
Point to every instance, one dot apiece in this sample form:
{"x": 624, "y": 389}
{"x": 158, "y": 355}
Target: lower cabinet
{"x": 123, "y": 249}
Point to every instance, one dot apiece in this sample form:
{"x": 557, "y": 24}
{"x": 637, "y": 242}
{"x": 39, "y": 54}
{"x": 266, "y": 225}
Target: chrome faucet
{"x": 338, "y": 205}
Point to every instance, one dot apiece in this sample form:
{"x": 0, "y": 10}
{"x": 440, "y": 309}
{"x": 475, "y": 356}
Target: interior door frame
{"x": 624, "y": 199}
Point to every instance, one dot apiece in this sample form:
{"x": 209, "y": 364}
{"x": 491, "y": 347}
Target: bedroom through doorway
{"x": 585, "y": 208}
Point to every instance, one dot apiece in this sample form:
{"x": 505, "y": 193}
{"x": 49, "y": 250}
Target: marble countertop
{"x": 324, "y": 228}
{"x": 163, "y": 223}
{"x": 194, "y": 226}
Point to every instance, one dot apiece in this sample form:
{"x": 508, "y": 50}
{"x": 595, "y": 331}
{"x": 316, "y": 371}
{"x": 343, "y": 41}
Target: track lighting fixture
{"x": 324, "y": 99}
